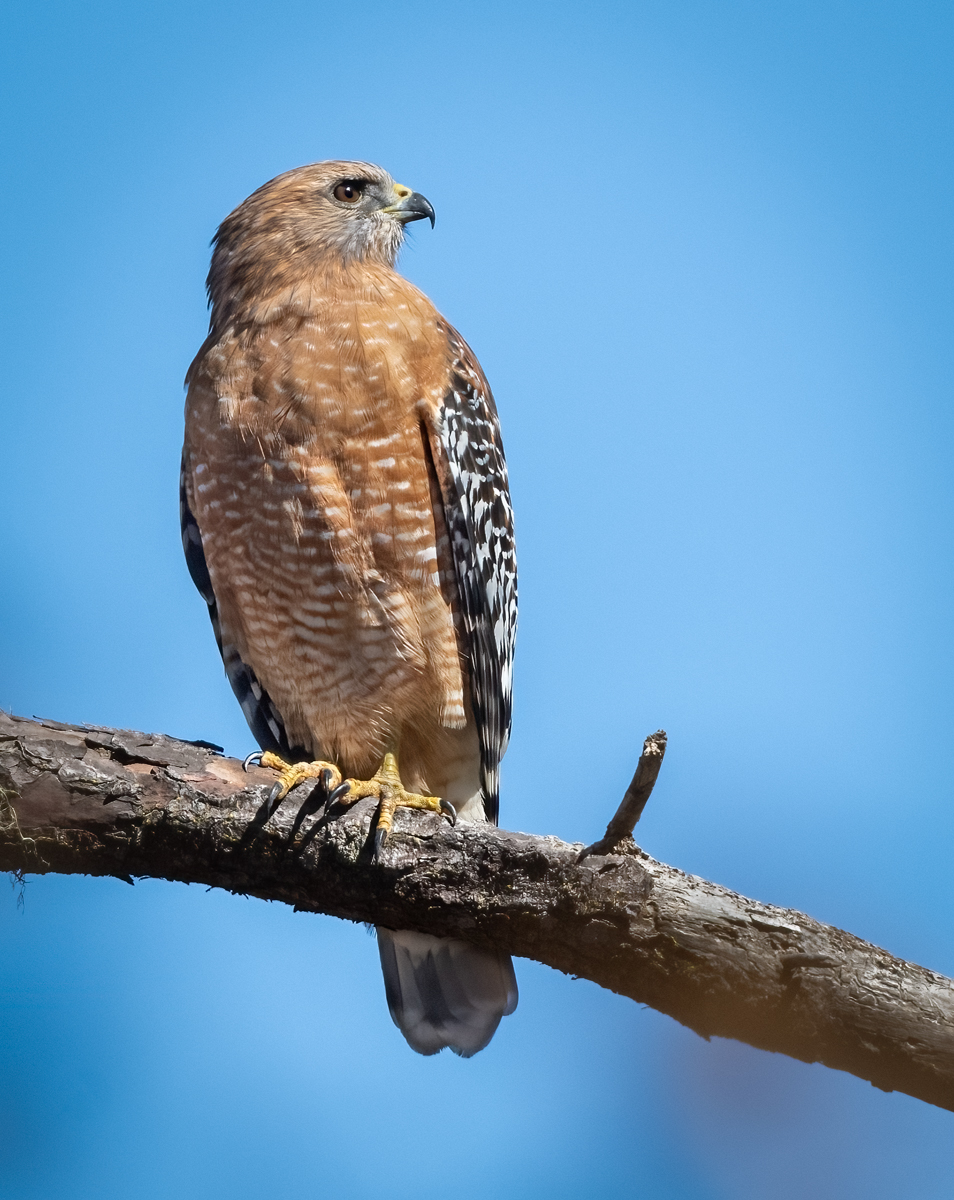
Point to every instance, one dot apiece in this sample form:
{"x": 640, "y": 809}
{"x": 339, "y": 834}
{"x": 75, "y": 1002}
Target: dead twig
{"x": 631, "y": 807}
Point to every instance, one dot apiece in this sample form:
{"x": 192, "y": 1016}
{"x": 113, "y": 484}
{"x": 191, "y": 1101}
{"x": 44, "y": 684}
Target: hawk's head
{"x": 324, "y": 214}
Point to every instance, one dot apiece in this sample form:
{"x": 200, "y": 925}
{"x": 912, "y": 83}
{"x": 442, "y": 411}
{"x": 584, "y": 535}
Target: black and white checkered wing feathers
{"x": 472, "y": 474}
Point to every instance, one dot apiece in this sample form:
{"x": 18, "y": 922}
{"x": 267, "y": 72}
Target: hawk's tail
{"x": 444, "y": 992}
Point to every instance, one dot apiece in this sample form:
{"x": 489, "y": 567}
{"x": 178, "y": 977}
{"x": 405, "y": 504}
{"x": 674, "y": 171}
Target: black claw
{"x": 255, "y": 757}
{"x": 380, "y": 837}
{"x": 449, "y": 811}
{"x": 324, "y": 780}
{"x": 274, "y": 795}
{"x": 341, "y": 790}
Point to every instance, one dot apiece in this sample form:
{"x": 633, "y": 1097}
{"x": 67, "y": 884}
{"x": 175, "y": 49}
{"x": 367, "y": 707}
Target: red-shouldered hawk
{"x": 345, "y": 515}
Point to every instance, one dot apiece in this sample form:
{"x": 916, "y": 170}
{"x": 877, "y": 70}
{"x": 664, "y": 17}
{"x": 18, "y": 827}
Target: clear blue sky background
{"x": 704, "y": 252}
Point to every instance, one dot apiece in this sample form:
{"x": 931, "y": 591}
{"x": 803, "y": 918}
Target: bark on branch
{"x": 97, "y": 801}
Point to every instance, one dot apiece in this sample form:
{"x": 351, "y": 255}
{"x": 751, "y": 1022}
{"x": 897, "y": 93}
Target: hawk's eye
{"x": 349, "y": 192}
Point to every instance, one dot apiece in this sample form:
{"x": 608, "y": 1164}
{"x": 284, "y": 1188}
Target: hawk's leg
{"x": 385, "y": 785}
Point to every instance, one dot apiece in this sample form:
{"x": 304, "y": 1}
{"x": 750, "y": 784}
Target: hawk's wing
{"x": 472, "y": 475}
{"x": 263, "y": 717}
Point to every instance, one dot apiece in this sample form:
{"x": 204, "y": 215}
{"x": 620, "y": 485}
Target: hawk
{"x": 346, "y": 517}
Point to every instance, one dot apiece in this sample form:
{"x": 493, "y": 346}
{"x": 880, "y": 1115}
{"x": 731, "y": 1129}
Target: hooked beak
{"x": 411, "y": 206}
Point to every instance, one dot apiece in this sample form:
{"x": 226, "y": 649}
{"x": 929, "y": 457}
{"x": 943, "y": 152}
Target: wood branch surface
{"x": 97, "y": 801}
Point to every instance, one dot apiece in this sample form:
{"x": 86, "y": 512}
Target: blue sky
{"x": 704, "y": 252}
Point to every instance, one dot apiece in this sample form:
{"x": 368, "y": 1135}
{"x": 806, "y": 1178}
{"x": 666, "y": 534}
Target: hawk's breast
{"x": 311, "y": 489}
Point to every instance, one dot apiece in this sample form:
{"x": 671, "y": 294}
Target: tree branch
{"x": 97, "y": 801}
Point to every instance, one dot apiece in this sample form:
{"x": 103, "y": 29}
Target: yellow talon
{"x": 385, "y": 785}
{"x": 292, "y": 774}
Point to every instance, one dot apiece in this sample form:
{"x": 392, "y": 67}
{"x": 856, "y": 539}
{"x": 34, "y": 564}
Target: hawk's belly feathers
{"x": 323, "y": 531}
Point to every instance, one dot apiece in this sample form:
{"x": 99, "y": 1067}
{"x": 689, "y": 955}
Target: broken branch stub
{"x": 631, "y": 807}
